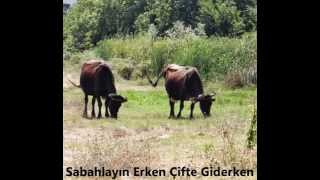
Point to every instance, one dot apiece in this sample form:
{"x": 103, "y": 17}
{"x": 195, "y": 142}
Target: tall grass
{"x": 215, "y": 57}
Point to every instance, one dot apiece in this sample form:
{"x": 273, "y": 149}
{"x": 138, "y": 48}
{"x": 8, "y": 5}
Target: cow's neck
{"x": 197, "y": 92}
{"x": 112, "y": 90}
{"x": 197, "y": 89}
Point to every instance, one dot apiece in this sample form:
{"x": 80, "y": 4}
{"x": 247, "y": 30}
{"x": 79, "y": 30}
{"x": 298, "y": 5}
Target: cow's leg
{"x": 181, "y": 108}
{"x": 85, "y": 115}
{"x": 191, "y": 112}
{"x": 99, "y": 105}
{"x": 93, "y": 113}
{"x": 171, "y": 102}
{"x": 106, "y": 104}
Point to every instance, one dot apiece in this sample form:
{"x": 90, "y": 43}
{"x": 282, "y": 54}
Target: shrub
{"x": 233, "y": 80}
{"x": 140, "y": 71}
{"x": 160, "y": 55}
{"x": 126, "y": 71}
{"x": 215, "y": 57}
{"x": 221, "y": 18}
{"x": 249, "y": 75}
{"x": 102, "y": 50}
{"x": 180, "y": 31}
{"x": 252, "y": 133}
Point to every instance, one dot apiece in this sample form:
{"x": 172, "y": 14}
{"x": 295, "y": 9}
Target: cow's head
{"x": 115, "y": 102}
{"x": 205, "y": 103}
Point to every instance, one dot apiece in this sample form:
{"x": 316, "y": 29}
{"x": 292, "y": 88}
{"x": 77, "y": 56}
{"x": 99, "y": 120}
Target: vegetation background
{"x": 141, "y": 36}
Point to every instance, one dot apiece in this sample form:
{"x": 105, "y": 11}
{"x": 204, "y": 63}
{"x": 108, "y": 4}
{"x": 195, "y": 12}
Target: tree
{"x": 90, "y": 21}
{"x": 157, "y": 12}
{"x": 248, "y": 12}
{"x": 221, "y": 17}
{"x": 186, "y": 11}
{"x": 81, "y": 25}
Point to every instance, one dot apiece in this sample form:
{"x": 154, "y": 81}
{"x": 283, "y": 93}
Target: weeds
{"x": 214, "y": 57}
{"x": 252, "y": 133}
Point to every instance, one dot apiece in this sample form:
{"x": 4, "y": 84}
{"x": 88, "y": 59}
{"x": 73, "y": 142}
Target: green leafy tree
{"x": 118, "y": 17}
{"x": 248, "y": 12}
{"x": 90, "y": 21}
{"x": 157, "y": 12}
{"x": 81, "y": 25}
{"x": 221, "y": 17}
{"x": 186, "y": 11}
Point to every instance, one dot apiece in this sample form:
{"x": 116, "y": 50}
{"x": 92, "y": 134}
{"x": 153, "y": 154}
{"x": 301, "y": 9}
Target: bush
{"x": 81, "y": 25}
{"x": 180, "y": 31}
{"x": 249, "y": 75}
{"x": 90, "y": 21}
{"x": 160, "y": 56}
{"x": 215, "y": 57}
{"x": 137, "y": 48}
{"x": 140, "y": 71}
{"x": 126, "y": 71}
{"x": 234, "y": 80}
{"x": 252, "y": 133}
{"x": 221, "y": 17}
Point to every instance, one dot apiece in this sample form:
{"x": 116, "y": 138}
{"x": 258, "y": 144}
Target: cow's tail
{"x": 156, "y": 82}
{"x": 74, "y": 84}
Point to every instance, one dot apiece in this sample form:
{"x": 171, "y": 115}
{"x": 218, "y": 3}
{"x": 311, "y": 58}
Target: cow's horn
{"x": 200, "y": 97}
{"x": 111, "y": 95}
{"x": 212, "y": 94}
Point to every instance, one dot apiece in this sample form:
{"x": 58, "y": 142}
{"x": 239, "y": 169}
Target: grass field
{"x": 144, "y": 136}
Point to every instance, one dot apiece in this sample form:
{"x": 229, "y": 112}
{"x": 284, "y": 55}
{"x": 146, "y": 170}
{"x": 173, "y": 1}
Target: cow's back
{"x": 182, "y": 82}
{"x": 104, "y": 80}
{"x": 193, "y": 83}
{"x": 96, "y": 77}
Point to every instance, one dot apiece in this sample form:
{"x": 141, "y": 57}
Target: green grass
{"x": 153, "y": 107}
{"x": 143, "y": 134}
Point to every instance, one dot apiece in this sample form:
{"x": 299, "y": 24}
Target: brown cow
{"x": 97, "y": 80}
{"x": 183, "y": 83}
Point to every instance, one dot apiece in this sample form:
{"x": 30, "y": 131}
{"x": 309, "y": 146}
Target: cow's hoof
{"x": 99, "y": 117}
{"x": 171, "y": 117}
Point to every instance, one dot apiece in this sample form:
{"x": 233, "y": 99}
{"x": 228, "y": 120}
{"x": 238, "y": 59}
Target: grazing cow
{"x": 183, "y": 83}
{"x": 97, "y": 80}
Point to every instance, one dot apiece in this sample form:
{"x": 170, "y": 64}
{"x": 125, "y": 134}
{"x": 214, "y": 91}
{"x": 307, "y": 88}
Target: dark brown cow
{"x": 97, "y": 80}
{"x": 183, "y": 83}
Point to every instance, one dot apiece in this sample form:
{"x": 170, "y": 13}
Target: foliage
{"x": 215, "y": 57}
{"x": 126, "y": 71}
{"x": 81, "y": 25}
{"x": 91, "y": 21}
{"x": 221, "y": 17}
{"x": 180, "y": 31}
{"x": 234, "y": 80}
{"x": 252, "y": 133}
